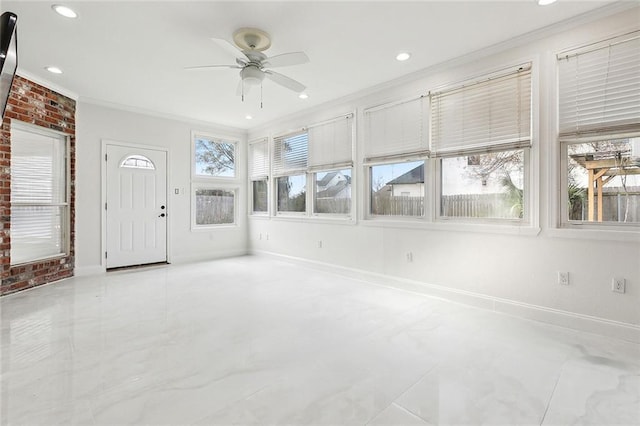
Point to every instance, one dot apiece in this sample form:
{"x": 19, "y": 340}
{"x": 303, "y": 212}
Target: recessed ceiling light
{"x": 248, "y": 117}
{"x": 403, "y": 56}
{"x": 303, "y": 95}
{"x": 54, "y": 70}
{"x": 545, "y": 2}
{"x": 65, "y": 11}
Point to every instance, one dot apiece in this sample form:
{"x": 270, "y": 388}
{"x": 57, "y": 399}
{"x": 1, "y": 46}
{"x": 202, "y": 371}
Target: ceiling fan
{"x": 254, "y": 65}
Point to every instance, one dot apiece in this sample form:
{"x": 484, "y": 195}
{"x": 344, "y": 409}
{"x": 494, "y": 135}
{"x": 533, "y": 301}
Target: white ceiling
{"x": 132, "y": 53}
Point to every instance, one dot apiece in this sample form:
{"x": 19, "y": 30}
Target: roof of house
{"x": 334, "y": 190}
{"x": 415, "y": 175}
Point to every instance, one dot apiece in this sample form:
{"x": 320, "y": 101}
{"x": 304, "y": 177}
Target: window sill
{"x": 44, "y": 259}
{"x": 340, "y": 220}
{"x": 210, "y": 228}
{"x": 488, "y": 228}
{"x": 588, "y": 233}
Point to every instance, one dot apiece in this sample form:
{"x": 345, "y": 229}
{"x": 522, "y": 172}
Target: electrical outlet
{"x": 319, "y": 243}
{"x": 563, "y": 278}
{"x": 409, "y": 257}
{"x": 618, "y": 285}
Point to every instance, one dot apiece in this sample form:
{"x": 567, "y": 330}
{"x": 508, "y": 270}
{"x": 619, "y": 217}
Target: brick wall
{"x": 34, "y": 104}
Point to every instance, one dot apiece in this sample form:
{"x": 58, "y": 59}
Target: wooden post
{"x": 599, "y": 183}
{"x": 590, "y": 196}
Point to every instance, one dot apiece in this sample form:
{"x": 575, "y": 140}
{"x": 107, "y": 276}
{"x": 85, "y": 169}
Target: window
{"x": 481, "y": 135}
{"x": 289, "y": 167}
{"x": 259, "y": 175}
{"x": 332, "y": 192}
{"x": 291, "y": 193}
{"x": 599, "y": 132}
{"x": 213, "y": 157}
{"x": 397, "y": 189}
{"x": 331, "y": 158}
{"x": 603, "y": 181}
{"x": 488, "y": 186}
{"x": 39, "y": 195}
{"x": 395, "y": 148}
{"x": 318, "y": 160}
{"x": 260, "y": 199}
{"x": 214, "y": 206}
{"x": 137, "y": 162}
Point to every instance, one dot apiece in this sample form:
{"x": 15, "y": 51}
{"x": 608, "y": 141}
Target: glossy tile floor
{"x": 254, "y": 340}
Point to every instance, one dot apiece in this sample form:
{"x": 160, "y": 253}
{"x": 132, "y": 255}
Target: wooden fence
{"x": 385, "y": 205}
{"x": 333, "y": 205}
{"x": 494, "y": 205}
{"x": 214, "y": 209}
{"x": 615, "y": 206}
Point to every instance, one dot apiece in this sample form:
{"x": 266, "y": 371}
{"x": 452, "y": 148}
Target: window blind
{"x": 396, "y": 128}
{"x": 38, "y": 195}
{"x": 599, "y": 89}
{"x": 486, "y": 115}
{"x": 290, "y": 153}
{"x": 259, "y": 160}
{"x": 331, "y": 143}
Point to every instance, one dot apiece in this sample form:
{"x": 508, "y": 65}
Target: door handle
{"x": 162, "y": 215}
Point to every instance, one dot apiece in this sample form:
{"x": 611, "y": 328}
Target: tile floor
{"x": 253, "y": 340}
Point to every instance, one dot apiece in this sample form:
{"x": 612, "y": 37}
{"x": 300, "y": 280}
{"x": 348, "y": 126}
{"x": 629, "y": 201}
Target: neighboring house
{"x": 410, "y": 184}
{"x": 334, "y": 185}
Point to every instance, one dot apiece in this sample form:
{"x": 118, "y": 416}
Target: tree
{"x": 215, "y": 158}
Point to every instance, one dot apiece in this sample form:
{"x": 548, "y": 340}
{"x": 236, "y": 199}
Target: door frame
{"x": 103, "y": 191}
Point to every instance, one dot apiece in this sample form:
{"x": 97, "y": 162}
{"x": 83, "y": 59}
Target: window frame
{"x": 563, "y": 211}
{"x": 561, "y": 225}
{"x": 525, "y": 220}
{"x": 266, "y": 177}
{"x": 65, "y": 230}
{"x": 274, "y": 188}
{"x": 195, "y": 186}
{"x": 313, "y": 181}
{"x": 215, "y": 139}
{"x": 368, "y": 181}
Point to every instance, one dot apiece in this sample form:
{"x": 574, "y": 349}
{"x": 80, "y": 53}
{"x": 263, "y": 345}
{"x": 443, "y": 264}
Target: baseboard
{"x": 210, "y": 255}
{"x": 575, "y": 321}
{"x": 83, "y": 271}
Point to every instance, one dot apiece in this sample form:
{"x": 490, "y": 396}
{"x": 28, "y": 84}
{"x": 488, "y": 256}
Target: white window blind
{"x": 259, "y": 160}
{"x": 330, "y": 143}
{"x": 290, "y": 153}
{"x": 482, "y": 116}
{"x": 395, "y": 129}
{"x": 38, "y": 195}
{"x": 599, "y": 88}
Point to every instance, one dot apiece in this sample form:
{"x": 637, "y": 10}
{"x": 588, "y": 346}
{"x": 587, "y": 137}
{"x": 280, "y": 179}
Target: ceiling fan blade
{"x": 207, "y": 67}
{"x": 286, "y": 59}
{"x": 229, "y": 47}
{"x": 285, "y": 81}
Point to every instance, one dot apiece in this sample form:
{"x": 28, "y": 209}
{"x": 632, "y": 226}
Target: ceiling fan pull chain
{"x": 242, "y": 83}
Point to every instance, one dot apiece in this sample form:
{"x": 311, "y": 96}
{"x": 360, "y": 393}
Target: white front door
{"x": 136, "y": 208}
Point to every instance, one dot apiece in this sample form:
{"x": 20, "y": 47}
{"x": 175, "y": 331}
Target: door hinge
{"x": 105, "y": 206}
{"x": 105, "y": 254}
{"x": 105, "y": 157}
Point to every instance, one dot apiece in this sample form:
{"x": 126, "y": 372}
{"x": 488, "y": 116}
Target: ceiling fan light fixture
{"x": 248, "y": 117}
{"x": 252, "y": 75}
{"x": 303, "y": 95}
{"x": 545, "y": 2}
{"x": 65, "y": 11}
{"x": 403, "y": 56}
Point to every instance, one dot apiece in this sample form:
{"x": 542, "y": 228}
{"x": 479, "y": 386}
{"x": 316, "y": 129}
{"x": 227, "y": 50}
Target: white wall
{"x": 99, "y": 123}
{"x": 516, "y": 269}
